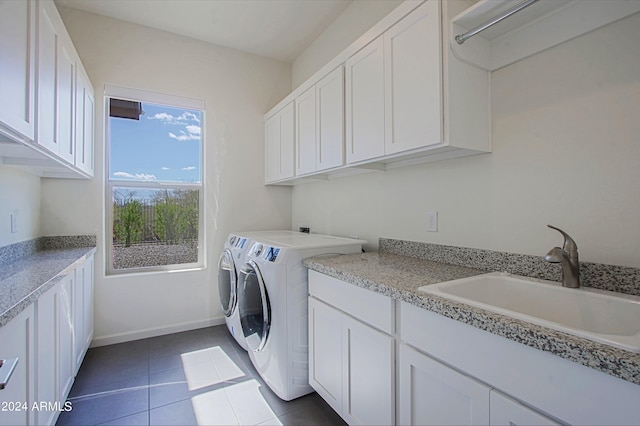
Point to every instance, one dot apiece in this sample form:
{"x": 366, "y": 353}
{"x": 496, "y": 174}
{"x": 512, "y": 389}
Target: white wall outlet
{"x": 432, "y": 221}
{"x": 14, "y": 222}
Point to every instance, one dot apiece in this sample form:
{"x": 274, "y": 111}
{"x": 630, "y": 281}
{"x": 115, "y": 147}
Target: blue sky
{"x": 164, "y": 145}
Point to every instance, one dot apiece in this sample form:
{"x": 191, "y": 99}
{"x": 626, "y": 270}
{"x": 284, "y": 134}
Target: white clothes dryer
{"x": 231, "y": 260}
{"x": 273, "y": 307}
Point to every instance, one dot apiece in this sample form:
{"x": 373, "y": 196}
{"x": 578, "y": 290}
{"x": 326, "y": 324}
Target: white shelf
{"x": 540, "y": 26}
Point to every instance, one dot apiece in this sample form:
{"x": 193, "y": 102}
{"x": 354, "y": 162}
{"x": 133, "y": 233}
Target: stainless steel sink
{"x": 597, "y": 315}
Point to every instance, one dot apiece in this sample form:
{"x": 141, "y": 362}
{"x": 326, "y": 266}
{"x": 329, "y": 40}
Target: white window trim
{"x": 171, "y": 101}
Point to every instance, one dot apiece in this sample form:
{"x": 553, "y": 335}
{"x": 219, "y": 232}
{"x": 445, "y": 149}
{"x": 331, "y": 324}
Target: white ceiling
{"x": 278, "y": 29}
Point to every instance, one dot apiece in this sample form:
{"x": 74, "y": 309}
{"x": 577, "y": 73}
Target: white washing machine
{"x": 273, "y": 309}
{"x": 231, "y": 260}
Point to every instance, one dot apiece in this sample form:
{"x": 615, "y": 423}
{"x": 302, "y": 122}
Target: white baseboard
{"x": 153, "y": 332}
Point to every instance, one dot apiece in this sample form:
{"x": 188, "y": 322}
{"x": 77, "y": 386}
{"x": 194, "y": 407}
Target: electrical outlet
{"x": 14, "y": 223}
{"x": 432, "y": 221}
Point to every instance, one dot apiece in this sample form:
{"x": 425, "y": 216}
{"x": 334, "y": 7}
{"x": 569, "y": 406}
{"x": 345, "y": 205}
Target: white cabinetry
{"x": 351, "y": 352}
{"x": 39, "y": 85}
{"x": 279, "y": 146}
{"x": 504, "y": 411}
{"x": 320, "y": 125}
{"x": 18, "y": 394}
{"x": 430, "y": 393}
{"x": 17, "y": 65}
{"x": 364, "y": 88}
{"x": 82, "y": 312}
{"x": 394, "y": 89}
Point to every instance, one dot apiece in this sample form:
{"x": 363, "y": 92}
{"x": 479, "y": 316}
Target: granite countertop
{"x": 25, "y": 278}
{"x": 400, "y": 277}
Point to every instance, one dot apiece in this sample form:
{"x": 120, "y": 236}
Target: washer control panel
{"x": 262, "y": 251}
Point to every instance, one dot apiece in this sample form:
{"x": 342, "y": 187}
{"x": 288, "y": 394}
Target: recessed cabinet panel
{"x": 330, "y": 120}
{"x": 364, "y": 89}
{"x": 430, "y": 393}
{"x": 306, "y": 132}
{"x": 84, "y": 109}
{"x": 66, "y": 96}
{"x": 47, "y": 81}
{"x": 17, "y": 65}
{"x": 413, "y": 84}
{"x": 279, "y": 145}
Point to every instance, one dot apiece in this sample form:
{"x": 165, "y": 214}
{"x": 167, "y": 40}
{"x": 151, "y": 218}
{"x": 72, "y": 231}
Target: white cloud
{"x": 137, "y": 176}
{"x": 194, "y": 130}
{"x": 183, "y": 136}
{"x": 165, "y": 168}
{"x": 189, "y": 168}
{"x": 183, "y": 118}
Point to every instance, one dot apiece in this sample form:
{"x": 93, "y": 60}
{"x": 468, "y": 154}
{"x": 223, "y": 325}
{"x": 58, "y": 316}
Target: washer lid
{"x": 227, "y": 282}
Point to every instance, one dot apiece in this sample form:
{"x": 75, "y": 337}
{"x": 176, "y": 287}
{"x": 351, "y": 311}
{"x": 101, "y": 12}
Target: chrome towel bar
{"x": 461, "y": 38}
{"x": 6, "y": 370}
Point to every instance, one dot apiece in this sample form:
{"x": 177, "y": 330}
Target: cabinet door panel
{"x": 65, "y": 107}
{"x": 46, "y": 356}
{"x": 87, "y": 303}
{"x": 368, "y": 353}
{"x": 365, "y": 103}
{"x": 325, "y": 352}
{"x": 65, "y": 337}
{"x": 412, "y": 73}
{"x": 330, "y": 121}
{"x": 431, "y": 393}
{"x": 287, "y": 142}
{"x": 507, "y": 412}
{"x": 17, "y": 62}
{"x": 272, "y": 148}
{"x": 47, "y": 76}
{"x": 84, "y": 123}
{"x": 17, "y": 339}
{"x": 306, "y": 132}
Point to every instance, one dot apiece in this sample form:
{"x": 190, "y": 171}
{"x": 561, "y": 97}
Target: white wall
{"x": 565, "y": 152}
{"x": 238, "y": 89}
{"x": 357, "y": 18}
{"x": 20, "y": 195}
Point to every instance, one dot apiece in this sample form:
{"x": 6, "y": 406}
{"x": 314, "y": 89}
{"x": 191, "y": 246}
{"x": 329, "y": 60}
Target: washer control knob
{"x": 257, "y": 250}
{"x": 232, "y": 240}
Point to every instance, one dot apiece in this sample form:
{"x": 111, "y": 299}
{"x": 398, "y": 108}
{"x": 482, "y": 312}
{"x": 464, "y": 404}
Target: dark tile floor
{"x": 199, "y": 377}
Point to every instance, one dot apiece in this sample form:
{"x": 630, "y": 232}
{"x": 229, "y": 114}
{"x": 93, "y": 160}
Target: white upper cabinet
{"x": 406, "y": 99}
{"x": 17, "y": 68}
{"x": 330, "y": 120}
{"x": 365, "y": 103}
{"x": 41, "y": 106}
{"x": 306, "y": 132}
{"x": 413, "y": 87}
{"x": 279, "y": 145}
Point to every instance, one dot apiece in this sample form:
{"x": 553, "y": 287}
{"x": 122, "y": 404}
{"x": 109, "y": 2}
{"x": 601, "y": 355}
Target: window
{"x": 154, "y": 182}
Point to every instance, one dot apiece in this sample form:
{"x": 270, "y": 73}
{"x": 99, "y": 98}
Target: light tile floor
{"x": 199, "y": 377}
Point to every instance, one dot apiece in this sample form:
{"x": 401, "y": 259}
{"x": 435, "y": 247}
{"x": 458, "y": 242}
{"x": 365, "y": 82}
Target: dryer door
{"x": 227, "y": 282}
{"x": 254, "y": 307}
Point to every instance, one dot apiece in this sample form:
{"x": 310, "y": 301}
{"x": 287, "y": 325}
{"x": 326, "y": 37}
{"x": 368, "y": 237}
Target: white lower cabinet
{"x": 50, "y": 339}
{"x": 17, "y": 397}
{"x": 351, "y": 363}
{"x": 504, "y": 411}
{"x": 430, "y": 393}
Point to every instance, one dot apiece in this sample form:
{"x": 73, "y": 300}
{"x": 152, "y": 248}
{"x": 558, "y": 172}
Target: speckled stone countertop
{"x": 38, "y": 267}
{"x": 400, "y": 276}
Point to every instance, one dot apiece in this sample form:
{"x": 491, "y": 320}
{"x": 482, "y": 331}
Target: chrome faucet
{"x": 568, "y": 257}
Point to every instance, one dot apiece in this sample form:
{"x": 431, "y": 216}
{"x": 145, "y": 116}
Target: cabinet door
{"x": 65, "y": 337}
{"x": 17, "y": 65}
{"x": 430, "y": 393}
{"x": 368, "y": 355}
{"x": 413, "y": 81}
{"x": 18, "y": 394}
{"x": 82, "y": 312}
{"x": 84, "y": 109}
{"x": 364, "y": 91}
{"x": 48, "y": 41}
{"x": 279, "y": 145}
{"x": 325, "y": 353}
{"x": 65, "y": 90}
{"x": 330, "y": 120}
{"x": 87, "y": 315}
{"x": 306, "y": 132}
{"x": 47, "y": 309}
{"x": 507, "y": 412}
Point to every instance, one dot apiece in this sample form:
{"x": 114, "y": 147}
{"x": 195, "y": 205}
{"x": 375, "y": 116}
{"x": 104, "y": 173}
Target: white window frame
{"x": 170, "y": 101}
